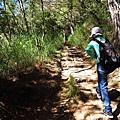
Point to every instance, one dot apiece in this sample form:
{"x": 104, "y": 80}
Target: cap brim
{"x": 95, "y": 34}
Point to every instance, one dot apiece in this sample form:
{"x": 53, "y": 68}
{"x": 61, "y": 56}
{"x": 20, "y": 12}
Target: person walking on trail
{"x": 102, "y": 91}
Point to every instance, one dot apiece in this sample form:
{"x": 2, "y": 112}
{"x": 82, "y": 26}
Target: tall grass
{"x": 16, "y": 55}
{"x": 21, "y": 52}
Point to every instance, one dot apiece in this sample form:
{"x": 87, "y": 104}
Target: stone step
{"x": 89, "y": 107}
{"x": 74, "y": 64}
{"x": 64, "y": 54}
{"x": 93, "y": 111}
{"x": 82, "y": 75}
{"x": 75, "y": 55}
{"x": 65, "y": 58}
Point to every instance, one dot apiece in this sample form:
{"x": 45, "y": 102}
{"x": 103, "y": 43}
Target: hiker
{"x": 102, "y": 91}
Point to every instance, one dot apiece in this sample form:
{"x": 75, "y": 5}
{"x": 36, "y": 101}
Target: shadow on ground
{"x": 114, "y": 94}
{"x": 31, "y": 96}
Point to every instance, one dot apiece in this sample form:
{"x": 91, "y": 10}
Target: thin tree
{"x": 114, "y": 7}
{"x": 7, "y": 23}
{"x": 21, "y": 4}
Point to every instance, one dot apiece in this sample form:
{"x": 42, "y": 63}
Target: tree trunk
{"x": 23, "y": 14}
{"x": 15, "y": 20}
{"x": 114, "y": 7}
{"x": 8, "y": 24}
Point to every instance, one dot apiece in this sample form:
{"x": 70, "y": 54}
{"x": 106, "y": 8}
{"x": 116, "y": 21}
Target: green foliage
{"x": 72, "y": 90}
{"x": 39, "y": 32}
{"x": 50, "y": 45}
{"x": 22, "y": 52}
{"x": 90, "y": 15}
{"x": 80, "y": 37}
{"x": 16, "y": 55}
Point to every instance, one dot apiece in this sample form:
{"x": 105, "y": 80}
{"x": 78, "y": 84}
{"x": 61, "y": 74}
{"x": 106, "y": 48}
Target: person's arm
{"x": 90, "y": 50}
{"x": 93, "y": 50}
{"x": 96, "y": 48}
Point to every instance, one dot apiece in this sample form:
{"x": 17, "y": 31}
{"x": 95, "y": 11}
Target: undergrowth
{"x": 22, "y": 51}
{"x": 72, "y": 90}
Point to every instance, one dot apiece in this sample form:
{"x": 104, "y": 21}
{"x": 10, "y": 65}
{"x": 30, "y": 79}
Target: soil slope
{"x": 40, "y": 93}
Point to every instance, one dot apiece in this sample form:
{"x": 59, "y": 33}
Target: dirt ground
{"x": 29, "y": 96}
{"x": 36, "y": 95}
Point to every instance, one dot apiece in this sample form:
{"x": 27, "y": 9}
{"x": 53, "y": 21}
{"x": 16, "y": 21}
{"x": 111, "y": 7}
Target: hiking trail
{"x": 40, "y": 93}
{"x": 75, "y": 62}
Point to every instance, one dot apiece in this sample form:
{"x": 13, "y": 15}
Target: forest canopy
{"x": 33, "y": 30}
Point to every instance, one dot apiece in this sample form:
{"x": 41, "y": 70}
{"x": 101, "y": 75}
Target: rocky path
{"x": 40, "y": 94}
{"x": 75, "y": 62}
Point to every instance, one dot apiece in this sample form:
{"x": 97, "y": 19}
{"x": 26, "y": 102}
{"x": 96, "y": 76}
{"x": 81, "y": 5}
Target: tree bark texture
{"x": 114, "y": 7}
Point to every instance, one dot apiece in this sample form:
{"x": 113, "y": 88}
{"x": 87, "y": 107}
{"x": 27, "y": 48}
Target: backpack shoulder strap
{"x": 99, "y": 42}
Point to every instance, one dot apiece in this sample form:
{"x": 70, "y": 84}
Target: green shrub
{"x": 17, "y": 54}
{"x": 72, "y": 89}
{"x": 51, "y": 44}
{"x": 80, "y": 37}
{"x": 21, "y": 52}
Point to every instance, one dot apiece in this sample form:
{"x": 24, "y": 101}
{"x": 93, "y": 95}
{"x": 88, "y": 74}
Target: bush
{"x": 72, "y": 90}
{"x": 21, "y": 52}
{"x": 17, "y": 54}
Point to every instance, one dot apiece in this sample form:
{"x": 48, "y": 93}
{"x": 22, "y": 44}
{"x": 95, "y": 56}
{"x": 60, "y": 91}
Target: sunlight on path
{"x": 74, "y": 63}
